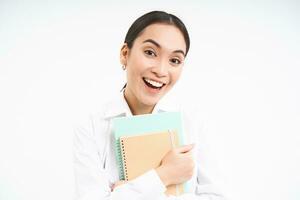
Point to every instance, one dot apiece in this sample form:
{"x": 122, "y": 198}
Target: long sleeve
{"x": 91, "y": 179}
{"x": 205, "y": 189}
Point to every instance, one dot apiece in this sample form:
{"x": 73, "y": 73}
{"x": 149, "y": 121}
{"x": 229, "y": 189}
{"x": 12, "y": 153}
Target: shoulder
{"x": 89, "y": 127}
{"x": 92, "y": 133}
{"x": 194, "y": 122}
{"x": 94, "y": 123}
{"x": 192, "y": 115}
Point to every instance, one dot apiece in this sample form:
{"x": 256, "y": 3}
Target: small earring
{"x": 124, "y": 67}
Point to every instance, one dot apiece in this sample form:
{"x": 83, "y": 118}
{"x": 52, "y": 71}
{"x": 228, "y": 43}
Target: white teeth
{"x": 154, "y": 83}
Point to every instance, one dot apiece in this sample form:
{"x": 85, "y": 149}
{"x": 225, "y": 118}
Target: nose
{"x": 161, "y": 69}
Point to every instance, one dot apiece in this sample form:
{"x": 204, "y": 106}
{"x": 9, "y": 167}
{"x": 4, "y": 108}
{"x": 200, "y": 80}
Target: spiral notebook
{"x": 142, "y": 153}
{"x": 145, "y": 124}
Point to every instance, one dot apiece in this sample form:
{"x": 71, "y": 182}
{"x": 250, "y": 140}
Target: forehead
{"x": 168, "y": 36}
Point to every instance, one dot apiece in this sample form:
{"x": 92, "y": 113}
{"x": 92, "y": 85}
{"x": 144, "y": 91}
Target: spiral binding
{"x": 119, "y": 152}
{"x": 124, "y": 161}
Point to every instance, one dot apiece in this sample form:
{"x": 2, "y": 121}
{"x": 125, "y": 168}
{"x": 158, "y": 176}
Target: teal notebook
{"x": 144, "y": 124}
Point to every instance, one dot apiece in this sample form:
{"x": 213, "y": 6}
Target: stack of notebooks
{"x": 141, "y": 142}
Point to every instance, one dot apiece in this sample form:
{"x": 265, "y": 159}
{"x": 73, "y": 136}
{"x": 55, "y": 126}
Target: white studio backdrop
{"x": 59, "y": 61}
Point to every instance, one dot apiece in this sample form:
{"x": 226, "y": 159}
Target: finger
{"x": 185, "y": 148}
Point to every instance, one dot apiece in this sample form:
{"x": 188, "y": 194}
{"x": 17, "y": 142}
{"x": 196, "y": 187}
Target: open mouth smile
{"x": 153, "y": 84}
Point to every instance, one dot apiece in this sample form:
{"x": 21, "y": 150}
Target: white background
{"x": 59, "y": 61}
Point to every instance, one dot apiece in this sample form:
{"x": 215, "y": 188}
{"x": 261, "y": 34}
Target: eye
{"x": 175, "y": 61}
{"x": 150, "y": 52}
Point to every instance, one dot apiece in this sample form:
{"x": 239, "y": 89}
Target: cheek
{"x": 145, "y": 62}
{"x": 134, "y": 68}
{"x": 141, "y": 66}
{"x": 139, "y": 63}
{"x": 175, "y": 75}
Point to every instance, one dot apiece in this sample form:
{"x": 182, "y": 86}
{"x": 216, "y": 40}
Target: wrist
{"x": 162, "y": 175}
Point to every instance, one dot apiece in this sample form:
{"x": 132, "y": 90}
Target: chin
{"x": 150, "y": 101}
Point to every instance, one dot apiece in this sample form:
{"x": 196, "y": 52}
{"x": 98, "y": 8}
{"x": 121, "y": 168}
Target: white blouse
{"x": 95, "y": 164}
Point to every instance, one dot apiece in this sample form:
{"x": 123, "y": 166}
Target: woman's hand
{"x": 116, "y": 184}
{"x": 177, "y": 165}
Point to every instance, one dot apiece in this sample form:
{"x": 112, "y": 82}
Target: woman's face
{"x": 154, "y": 63}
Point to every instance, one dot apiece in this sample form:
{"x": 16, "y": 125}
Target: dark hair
{"x": 155, "y": 17}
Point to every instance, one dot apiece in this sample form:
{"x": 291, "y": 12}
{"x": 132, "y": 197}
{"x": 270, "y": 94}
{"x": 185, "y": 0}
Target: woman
{"x": 153, "y": 56}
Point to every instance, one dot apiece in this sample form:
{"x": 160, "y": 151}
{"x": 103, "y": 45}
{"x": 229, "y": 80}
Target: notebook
{"x": 145, "y": 124}
{"x": 142, "y": 153}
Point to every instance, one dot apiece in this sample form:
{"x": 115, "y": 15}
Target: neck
{"x": 136, "y": 107}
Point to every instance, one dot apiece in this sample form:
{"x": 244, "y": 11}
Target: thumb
{"x": 185, "y": 148}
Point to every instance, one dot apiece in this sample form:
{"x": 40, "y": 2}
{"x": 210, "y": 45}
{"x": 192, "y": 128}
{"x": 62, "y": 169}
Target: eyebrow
{"x": 159, "y": 46}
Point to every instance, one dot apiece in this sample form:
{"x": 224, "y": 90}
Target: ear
{"x": 124, "y": 52}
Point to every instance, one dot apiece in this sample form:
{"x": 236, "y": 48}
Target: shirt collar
{"x": 119, "y": 107}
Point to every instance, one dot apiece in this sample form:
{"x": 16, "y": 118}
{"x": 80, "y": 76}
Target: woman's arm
{"x": 171, "y": 172}
{"x": 205, "y": 171}
{"x": 92, "y": 180}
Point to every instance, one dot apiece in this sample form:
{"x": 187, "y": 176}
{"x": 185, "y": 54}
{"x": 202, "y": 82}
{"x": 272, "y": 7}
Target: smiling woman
{"x": 154, "y": 64}
{"x": 153, "y": 56}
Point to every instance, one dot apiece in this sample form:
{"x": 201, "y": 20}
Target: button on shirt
{"x": 96, "y": 168}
